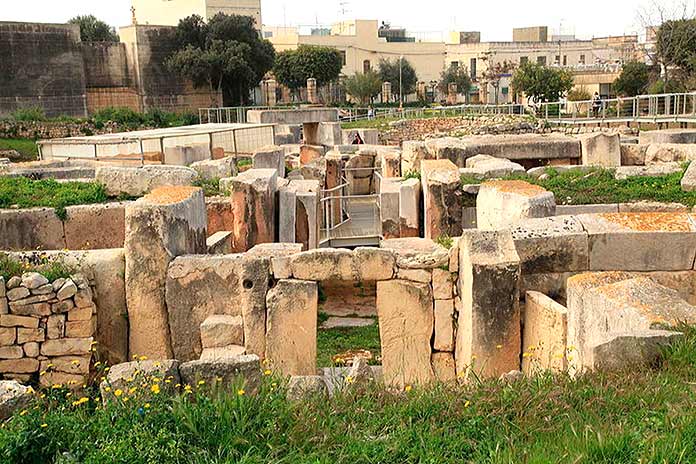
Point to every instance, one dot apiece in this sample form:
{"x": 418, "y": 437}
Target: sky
{"x": 495, "y": 20}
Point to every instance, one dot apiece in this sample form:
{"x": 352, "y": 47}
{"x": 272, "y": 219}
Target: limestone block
{"x": 444, "y": 325}
{"x": 33, "y": 280}
{"x": 220, "y": 243}
{"x": 253, "y": 207}
{"x": 92, "y": 227}
{"x": 31, "y": 229}
{"x": 165, "y": 224}
{"x": 489, "y": 167}
{"x": 299, "y": 213}
{"x": 141, "y": 180}
{"x": 503, "y": 204}
{"x": 369, "y": 136}
{"x": 632, "y": 350}
{"x": 19, "y": 366}
{"x": 654, "y": 170}
{"x": 301, "y": 387}
{"x": 574, "y": 210}
{"x": 185, "y": 155}
{"x": 600, "y": 149}
{"x": 218, "y": 331}
{"x": 329, "y": 134}
{"x": 409, "y": 208}
{"x": 216, "y": 168}
{"x": 14, "y": 397}
{"x": 25, "y": 335}
{"x": 688, "y": 182}
{"x": 68, "y": 289}
{"x": 11, "y": 352}
{"x": 389, "y": 196}
{"x": 36, "y": 310}
{"x": 442, "y": 197}
{"x": 323, "y": 264}
{"x": 488, "y": 330}
{"x": 553, "y": 244}
{"x": 669, "y": 152}
{"x": 18, "y": 294}
{"x": 674, "y": 136}
{"x": 545, "y": 337}
{"x": 198, "y": 287}
{"x": 280, "y": 254}
{"x": 66, "y": 347}
{"x": 270, "y": 157}
{"x": 10, "y": 320}
{"x": 291, "y": 336}
{"x": 633, "y": 154}
{"x": 373, "y": 264}
{"x": 640, "y": 241}
{"x": 81, "y": 329}
{"x": 359, "y": 171}
{"x": 652, "y": 207}
{"x": 222, "y": 353}
{"x": 390, "y": 163}
{"x": 243, "y": 371}
{"x": 416, "y": 275}
{"x": 406, "y": 323}
{"x": 412, "y": 155}
{"x": 444, "y": 367}
{"x": 123, "y": 376}
{"x": 67, "y": 364}
{"x": 310, "y": 153}
{"x": 8, "y": 336}
{"x": 442, "y": 285}
{"x": 417, "y": 253}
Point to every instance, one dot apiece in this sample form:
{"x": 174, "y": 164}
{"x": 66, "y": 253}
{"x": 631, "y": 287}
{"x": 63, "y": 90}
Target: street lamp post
{"x": 401, "y": 89}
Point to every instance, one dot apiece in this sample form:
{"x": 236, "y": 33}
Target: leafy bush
{"x": 29, "y": 114}
{"x": 211, "y": 187}
{"x": 579, "y": 94}
{"x": 50, "y": 267}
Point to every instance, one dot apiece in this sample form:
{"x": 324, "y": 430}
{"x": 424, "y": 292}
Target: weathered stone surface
{"x": 67, "y": 364}
{"x": 488, "y": 330}
{"x": 442, "y": 197}
{"x": 19, "y": 366}
{"x": 8, "y": 336}
{"x": 444, "y": 325}
{"x": 301, "y": 387}
{"x": 66, "y": 347}
{"x": 81, "y": 329}
{"x": 409, "y": 208}
{"x": 18, "y": 293}
{"x": 220, "y": 243}
{"x": 200, "y": 286}
{"x": 512, "y": 147}
{"x": 67, "y": 290}
{"x": 31, "y": 349}
{"x": 406, "y": 323}
{"x": 25, "y": 335}
{"x": 31, "y": 229}
{"x": 10, "y": 320}
{"x": 242, "y": 371}
{"x": 669, "y": 152}
{"x": 159, "y": 227}
{"x": 442, "y": 285}
{"x": 36, "y": 309}
{"x": 125, "y": 375}
{"x": 252, "y": 195}
{"x": 503, "y": 204}
{"x": 390, "y": 163}
{"x": 300, "y": 213}
{"x": 654, "y": 170}
{"x": 572, "y": 210}
{"x": 632, "y": 154}
{"x": 416, "y": 275}
{"x": 600, "y": 149}
{"x": 632, "y": 350}
{"x": 413, "y": 153}
{"x": 222, "y": 353}
{"x": 70, "y": 381}
{"x": 545, "y": 337}
{"x": 291, "y": 336}
{"x": 444, "y": 367}
{"x": 14, "y": 282}
{"x": 141, "y": 180}
{"x": 11, "y": 352}
{"x": 640, "y": 241}
{"x": 489, "y": 167}
{"x": 280, "y": 254}
{"x": 270, "y": 157}
{"x": 389, "y": 193}
{"x": 416, "y": 253}
{"x": 92, "y": 227}
{"x": 217, "y": 168}
{"x": 323, "y": 264}
{"x": 553, "y": 244}
{"x": 33, "y": 280}
{"x": 81, "y": 314}
{"x": 373, "y": 264}
{"x": 688, "y": 182}
{"x": 219, "y": 330}
{"x": 652, "y": 207}
{"x": 674, "y": 136}
{"x": 14, "y": 397}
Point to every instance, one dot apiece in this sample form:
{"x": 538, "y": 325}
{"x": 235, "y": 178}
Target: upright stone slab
{"x": 442, "y": 198}
{"x": 389, "y": 162}
{"x": 253, "y": 207}
{"x": 545, "y": 337}
{"x": 167, "y": 223}
{"x": 389, "y": 194}
{"x": 412, "y": 155}
{"x": 688, "y": 182}
{"x": 502, "y": 204}
{"x": 406, "y": 324}
{"x": 488, "y": 333}
{"x": 291, "y": 336}
{"x": 409, "y": 208}
{"x": 270, "y": 157}
{"x": 600, "y": 149}
{"x": 299, "y": 213}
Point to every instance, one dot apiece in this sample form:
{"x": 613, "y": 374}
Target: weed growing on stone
{"x": 21, "y": 192}
{"x": 52, "y": 268}
{"x": 211, "y": 187}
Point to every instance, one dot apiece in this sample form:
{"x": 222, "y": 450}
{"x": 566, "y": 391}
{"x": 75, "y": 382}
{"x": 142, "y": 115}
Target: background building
{"x": 169, "y": 12}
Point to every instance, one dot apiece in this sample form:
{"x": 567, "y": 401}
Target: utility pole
{"x": 401, "y": 87}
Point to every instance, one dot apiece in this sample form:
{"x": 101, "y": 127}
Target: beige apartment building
{"x": 170, "y": 12}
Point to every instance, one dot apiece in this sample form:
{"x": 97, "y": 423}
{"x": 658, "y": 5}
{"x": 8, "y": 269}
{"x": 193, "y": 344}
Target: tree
{"x": 540, "y": 83}
{"x": 633, "y": 80}
{"x": 676, "y": 45}
{"x": 225, "y": 55}
{"x": 94, "y": 30}
{"x": 293, "y": 67}
{"x": 455, "y": 75}
{"x": 390, "y": 71}
{"x": 364, "y": 87}
{"x": 495, "y": 73}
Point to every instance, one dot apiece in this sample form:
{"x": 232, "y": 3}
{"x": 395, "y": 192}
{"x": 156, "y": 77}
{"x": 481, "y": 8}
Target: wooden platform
{"x": 364, "y": 226}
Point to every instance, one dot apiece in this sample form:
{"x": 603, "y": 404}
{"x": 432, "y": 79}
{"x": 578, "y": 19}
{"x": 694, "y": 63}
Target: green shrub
{"x": 122, "y": 116}
{"x": 50, "y": 267}
{"x": 211, "y": 187}
{"x": 29, "y": 114}
{"x": 22, "y": 192}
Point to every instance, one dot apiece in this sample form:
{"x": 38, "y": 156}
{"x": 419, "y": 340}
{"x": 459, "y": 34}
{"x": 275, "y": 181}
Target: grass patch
{"x": 26, "y": 148}
{"x": 599, "y": 186}
{"x": 633, "y": 417}
{"x": 21, "y": 192}
{"x": 331, "y": 342}
{"x": 211, "y": 187}
{"x": 51, "y": 268}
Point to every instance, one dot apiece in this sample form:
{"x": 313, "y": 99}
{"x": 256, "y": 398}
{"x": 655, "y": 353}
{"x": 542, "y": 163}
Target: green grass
{"x": 633, "y": 417}
{"x": 51, "y": 268}
{"x": 331, "y": 342}
{"x": 211, "y": 187}
{"x": 25, "y": 147}
{"x": 22, "y": 192}
{"x": 599, "y": 186}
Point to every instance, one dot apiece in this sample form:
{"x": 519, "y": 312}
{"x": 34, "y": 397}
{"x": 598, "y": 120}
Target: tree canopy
{"x": 389, "y": 72}
{"x": 633, "y": 80}
{"x": 226, "y": 54}
{"x": 541, "y": 83}
{"x": 676, "y": 43}
{"x": 455, "y": 75}
{"x": 94, "y": 30}
{"x": 293, "y": 67}
{"x": 364, "y": 87}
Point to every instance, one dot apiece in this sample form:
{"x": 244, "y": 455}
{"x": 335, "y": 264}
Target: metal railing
{"x": 364, "y": 114}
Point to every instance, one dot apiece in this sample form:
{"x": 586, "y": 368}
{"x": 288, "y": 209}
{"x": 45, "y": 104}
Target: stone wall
{"x": 47, "y": 329}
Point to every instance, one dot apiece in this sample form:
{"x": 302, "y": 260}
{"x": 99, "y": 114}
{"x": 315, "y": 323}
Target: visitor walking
{"x": 596, "y": 104}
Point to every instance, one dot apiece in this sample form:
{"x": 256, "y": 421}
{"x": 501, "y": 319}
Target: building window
{"x": 454, "y": 64}
{"x": 367, "y": 66}
{"x": 541, "y": 60}
{"x": 344, "y": 58}
{"x": 582, "y": 59}
{"x": 524, "y": 60}
{"x": 473, "y": 68}
{"x": 565, "y": 60}
{"x": 557, "y": 61}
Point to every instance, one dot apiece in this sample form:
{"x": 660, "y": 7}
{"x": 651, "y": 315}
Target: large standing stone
{"x": 444, "y": 367}
{"x": 669, "y": 152}
{"x": 390, "y": 163}
{"x": 299, "y": 213}
{"x": 389, "y": 195}
{"x": 600, "y": 149}
{"x": 442, "y": 198}
{"x": 139, "y": 181}
{"x": 545, "y": 337}
{"x": 488, "y": 331}
{"x": 688, "y": 182}
{"x": 409, "y": 208}
{"x": 412, "y": 155}
{"x": 291, "y": 336}
{"x": 502, "y": 204}
{"x": 406, "y": 323}
{"x": 95, "y": 227}
{"x": 271, "y": 157}
{"x": 633, "y": 154}
{"x": 253, "y": 207}
{"x": 216, "y": 168}
{"x": 198, "y": 287}
{"x": 165, "y": 224}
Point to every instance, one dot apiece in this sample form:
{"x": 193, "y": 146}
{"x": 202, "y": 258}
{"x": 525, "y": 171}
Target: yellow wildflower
{"x": 43, "y": 426}
{"x": 155, "y": 389}
{"x": 408, "y": 388}
{"x": 118, "y": 392}
{"x": 240, "y": 392}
